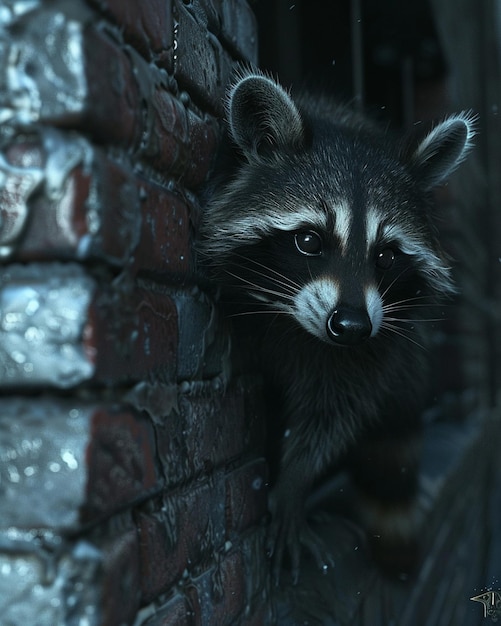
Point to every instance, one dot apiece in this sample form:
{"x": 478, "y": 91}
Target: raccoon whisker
{"x": 403, "y": 307}
{"x": 410, "y": 300}
{"x": 259, "y": 288}
{"x": 393, "y": 282}
{"x": 410, "y": 307}
{"x": 391, "y": 328}
{"x": 270, "y": 269}
{"x": 406, "y": 320}
{"x": 264, "y": 311}
{"x": 287, "y": 290}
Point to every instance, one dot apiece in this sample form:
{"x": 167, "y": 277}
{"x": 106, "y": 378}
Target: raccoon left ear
{"x": 262, "y": 117}
{"x": 443, "y": 149}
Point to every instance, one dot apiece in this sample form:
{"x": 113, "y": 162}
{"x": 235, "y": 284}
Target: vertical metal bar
{"x": 407, "y": 81}
{"x": 288, "y": 40}
{"x": 357, "y": 54}
{"x": 490, "y": 84}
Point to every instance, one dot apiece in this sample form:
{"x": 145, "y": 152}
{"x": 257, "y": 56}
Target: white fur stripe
{"x": 438, "y": 274}
{"x": 342, "y": 225}
{"x": 372, "y": 223}
{"x": 313, "y": 304}
{"x": 374, "y": 306}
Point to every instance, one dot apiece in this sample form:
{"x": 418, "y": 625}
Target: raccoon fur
{"x": 319, "y": 231}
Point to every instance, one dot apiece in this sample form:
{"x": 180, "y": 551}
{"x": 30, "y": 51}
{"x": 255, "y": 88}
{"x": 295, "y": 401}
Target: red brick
{"x": 175, "y": 612}
{"x": 218, "y": 595}
{"x": 175, "y": 139}
{"x": 147, "y": 26}
{"x": 179, "y": 141}
{"x": 210, "y": 428}
{"x": 116, "y": 116}
{"x": 155, "y": 555}
{"x": 186, "y": 531}
{"x": 246, "y": 496}
{"x": 125, "y": 101}
{"x": 166, "y": 141}
{"x": 61, "y": 327}
{"x": 121, "y": 462}
{"x": 97, "y": 208}
{"x": 131, "y": 336}
{"x": 166, "y": 134}
{"x": 89, "y": 209}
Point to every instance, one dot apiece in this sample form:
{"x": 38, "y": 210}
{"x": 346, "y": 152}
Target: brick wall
{"x": 132, "y": 483}
{"x": 132, "y": 479}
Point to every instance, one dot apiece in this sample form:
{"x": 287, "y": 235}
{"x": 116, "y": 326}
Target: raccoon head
{"x": 323, "y": 218}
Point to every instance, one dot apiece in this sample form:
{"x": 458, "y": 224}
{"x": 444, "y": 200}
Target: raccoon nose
{"x": 348, "y": 326}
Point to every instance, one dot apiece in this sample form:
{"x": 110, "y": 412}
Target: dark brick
{"x": 175, "y": 612}
{"x": 164, "y": 132}
{"x": 203, "y": 136}
{"x": 132, "y": 335}
{"x": 147, "y": 26}
{"x": 120, "y": 584}
{"x": 200, "y": 64}
{"x": 256, "y": 566}
{"x": 121, "y": 462}
{"x": 207, "y": 12}
{"x": 239, "y": 28}
{"x": 166, "y": 138}
{"x": 165, "y": 240}
{"x": 259, "y": 617}
{"x": 116, "y": 117}
{"x": 246, "y": 496}
{"x": 203, "y": 350}
{"x": 219, "y": 594}
{"x": 155, "y": 555}
{"x": 97, "y": 211}
{"x": 175, "y": 140}
{"x": 186, "y": 531}
{"x": 209, "y": 428}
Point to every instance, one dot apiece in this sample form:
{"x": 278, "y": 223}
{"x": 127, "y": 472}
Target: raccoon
{"x": 319, "y": 230}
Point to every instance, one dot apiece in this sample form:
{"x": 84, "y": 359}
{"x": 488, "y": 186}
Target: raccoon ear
{"x": 443, "y": 149}
{"x": 262, "y": 117}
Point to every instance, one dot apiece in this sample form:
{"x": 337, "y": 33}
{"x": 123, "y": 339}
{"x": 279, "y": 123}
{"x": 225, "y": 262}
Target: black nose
{"x": 348, "y": 327}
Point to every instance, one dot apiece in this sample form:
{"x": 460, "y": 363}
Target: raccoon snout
{"x": 347, "y": 326}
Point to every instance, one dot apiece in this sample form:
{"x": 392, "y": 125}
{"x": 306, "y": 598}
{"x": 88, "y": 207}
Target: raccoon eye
{"x": 309, "y": 243}
{"x": 385, "y": 259}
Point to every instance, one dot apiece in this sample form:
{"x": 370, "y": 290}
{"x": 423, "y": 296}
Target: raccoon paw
{"x": 287, "y": 536}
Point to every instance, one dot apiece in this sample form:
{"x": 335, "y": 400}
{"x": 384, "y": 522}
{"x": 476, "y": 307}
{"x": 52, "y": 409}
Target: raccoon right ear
{"x": 262, "y": 117}
{"x": 443, "y": 149}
